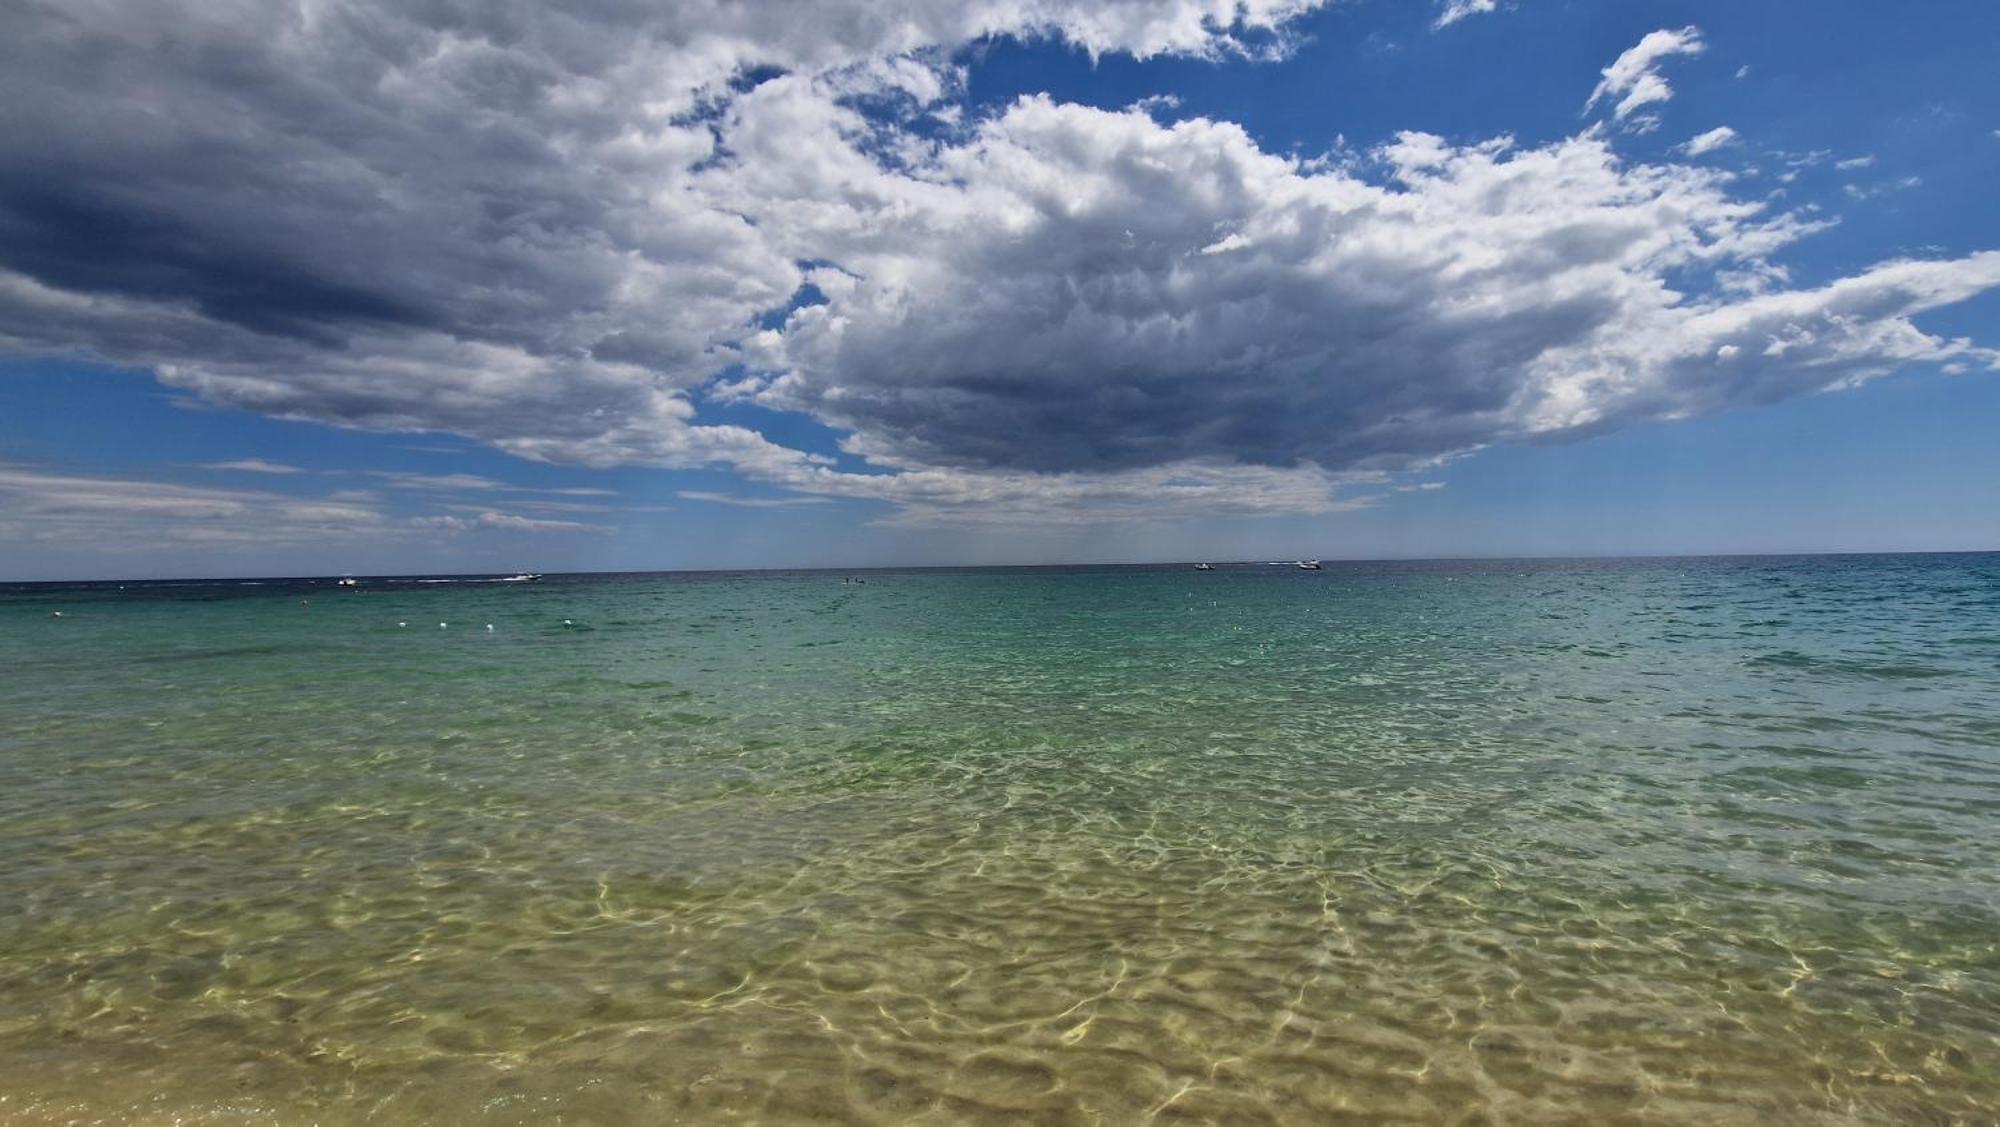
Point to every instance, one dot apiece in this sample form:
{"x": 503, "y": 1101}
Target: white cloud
{"x": 514, "y": 523}
{"x": 111, "y": 513}
{"x": 493, "y": 520}
{"x": 939, "y": 496}
{"x": 553, "y": 506}
{"x": 251, "y": 465}
{"x": 552, "y": 231}
{"x": 1123, "y": 298}
{"x": 1634, "y": 77}
{"x": 1710, "y": 141}
{"x": 478, "y": 221}
{"x": 1870, "y": 191}
{"x": 103, "y": 513}
{"x": 473, "y": 483}
{"x": 1456, "y": 10}
{"x": 749, "y": 502}
{"x": 1853, "y": 163}
{"x": 456, "y": 482}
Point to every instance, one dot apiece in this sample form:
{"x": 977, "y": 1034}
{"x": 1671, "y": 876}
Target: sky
{"x": 395, "y": 286}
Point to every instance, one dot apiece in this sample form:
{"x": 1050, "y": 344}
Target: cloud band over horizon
{"x": 580, "y": 234}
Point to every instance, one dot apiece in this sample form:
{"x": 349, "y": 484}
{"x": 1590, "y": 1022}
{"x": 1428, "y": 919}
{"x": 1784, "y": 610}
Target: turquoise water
{"x": 1704, "y": 841}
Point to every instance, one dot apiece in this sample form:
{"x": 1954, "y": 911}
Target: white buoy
{"x": 441, "y": 625}
{"x": 402, "y": 624}
{"x": 567, "y": 622}
{"x": 489, "y": 626}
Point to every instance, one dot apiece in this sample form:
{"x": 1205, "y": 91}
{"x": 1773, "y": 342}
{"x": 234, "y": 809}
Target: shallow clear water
{"x": 1675, "y": 841}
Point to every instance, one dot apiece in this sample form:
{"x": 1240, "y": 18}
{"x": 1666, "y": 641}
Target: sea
{"x": 1707, "y": 841}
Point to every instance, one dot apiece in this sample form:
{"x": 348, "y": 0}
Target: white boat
{"x": 1204, "y": 567}
{"x": 524, "y": 577}
{"x": 347, "y": 581}
{"x": 1307, "y": 565}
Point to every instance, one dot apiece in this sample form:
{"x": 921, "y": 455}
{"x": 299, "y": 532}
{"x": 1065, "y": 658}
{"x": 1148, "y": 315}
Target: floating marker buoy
{"x": 440, "y": 625}
{"x": 489, "y": 626}
{"x": 55, "y": 614}
{"x": 567, "y": 622}
{"x": 402, "y": 624}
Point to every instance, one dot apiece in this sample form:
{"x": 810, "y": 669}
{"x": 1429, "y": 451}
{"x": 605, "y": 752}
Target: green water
{"x": 1657, "y": 841}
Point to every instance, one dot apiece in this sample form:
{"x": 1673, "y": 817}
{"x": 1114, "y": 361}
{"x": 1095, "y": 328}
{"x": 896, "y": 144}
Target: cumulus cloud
{"x": 1122, "y": 294}
{"x": 1634, "y": 77}
{"x": 566, "y": 230}
{"x": 1710, "y": 141}
{"x": 476, "y": 219}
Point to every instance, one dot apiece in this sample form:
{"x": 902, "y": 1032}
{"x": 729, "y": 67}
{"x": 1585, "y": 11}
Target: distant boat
{"x": 1204, "y": 567}
{"x": 347, "y": 581}
{"x": 524, "y": 577}
{"x": 1307, "y": 565}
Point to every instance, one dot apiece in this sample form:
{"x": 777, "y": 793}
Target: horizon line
{"x": 1555, "y": 558}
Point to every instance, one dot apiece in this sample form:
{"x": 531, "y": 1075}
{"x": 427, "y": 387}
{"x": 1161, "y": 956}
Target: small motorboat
{"x": 1204, "y": 567}
{"x": 1307, "y": 565}
{"x": 524, "y": 577}
{"x": 347, "y": 581}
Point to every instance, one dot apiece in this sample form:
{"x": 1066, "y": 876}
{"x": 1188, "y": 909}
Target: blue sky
{"x": 623, "y": 290}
